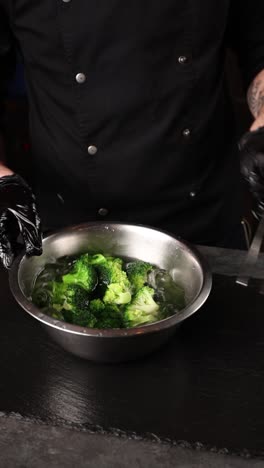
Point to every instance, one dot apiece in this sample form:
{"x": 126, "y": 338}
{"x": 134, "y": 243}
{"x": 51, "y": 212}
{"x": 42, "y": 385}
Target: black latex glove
{"x": 252, "y": 166}
{"x": 18, "y": 220}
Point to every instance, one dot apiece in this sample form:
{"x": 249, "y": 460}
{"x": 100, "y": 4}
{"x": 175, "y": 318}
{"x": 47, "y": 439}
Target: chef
{"x": 130, "y": 119}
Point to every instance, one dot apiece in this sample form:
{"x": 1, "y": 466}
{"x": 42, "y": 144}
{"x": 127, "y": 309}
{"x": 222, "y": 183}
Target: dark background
{"x": 17, "y": 134}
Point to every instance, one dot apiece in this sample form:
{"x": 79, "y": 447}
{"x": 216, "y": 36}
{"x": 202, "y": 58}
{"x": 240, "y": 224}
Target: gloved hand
{"x": 18, "y": 218}
{"x": 251, "y": 147}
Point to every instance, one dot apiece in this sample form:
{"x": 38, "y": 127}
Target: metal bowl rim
{"x": 169, "y": 322}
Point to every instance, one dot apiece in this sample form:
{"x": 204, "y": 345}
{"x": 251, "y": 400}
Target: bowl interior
{"x": 128, "y": 241}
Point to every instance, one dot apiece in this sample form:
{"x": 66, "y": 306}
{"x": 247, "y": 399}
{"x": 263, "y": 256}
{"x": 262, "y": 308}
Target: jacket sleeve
{"x": 246, "y": 36}
{"x": 7, "y": 59}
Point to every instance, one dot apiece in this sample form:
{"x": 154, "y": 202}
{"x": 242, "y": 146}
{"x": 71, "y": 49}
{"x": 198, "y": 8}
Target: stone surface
{"x": 202, "y": 394}
{"x": 27, "y": 444}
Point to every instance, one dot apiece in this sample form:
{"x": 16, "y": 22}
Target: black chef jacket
{"x": 129, "y": 115}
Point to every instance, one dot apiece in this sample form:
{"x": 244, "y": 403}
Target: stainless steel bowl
{"x": 160, "y": 248}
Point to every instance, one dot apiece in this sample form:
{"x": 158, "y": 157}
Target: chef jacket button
{"x": 103, "y": 211}
{"x": 186, "y": 133}
{"x": 80, "y": 78}
{"x": 92, "y": 150}
{"x": 192, "y": 194}
{"x": 182, "y": 59}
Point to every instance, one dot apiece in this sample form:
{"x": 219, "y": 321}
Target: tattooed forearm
{"x": 255, "y": 95}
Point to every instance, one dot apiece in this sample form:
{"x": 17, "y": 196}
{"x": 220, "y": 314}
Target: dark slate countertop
{"x": 197, "y": 402}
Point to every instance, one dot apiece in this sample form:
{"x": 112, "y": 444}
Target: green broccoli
{"x": 76, "y": 306}
{"x": 137, "y": 273}
{"x": 76, "y": 298}
{"x": 67, "y": 302}
{"x": 108, "y": 268}
{"x": 117, "y": 288}
{"x": 101, "y": 291}
{"x": 143, "y": 309}
{"x": 72, "y": 301}
{"x": 96, "y": 306}
{"x": 58, "y": 297}
{"x": 117, "y": 293}
{"x": 82, "y": 273}
{"x": 97, "y": 259}
{"x": 51, "y": 295}
{"x": 111, "y": 317}
{"x": 83, "y": 318}
{"x": 53, "y": 313}
{"x": 107, "y": 315}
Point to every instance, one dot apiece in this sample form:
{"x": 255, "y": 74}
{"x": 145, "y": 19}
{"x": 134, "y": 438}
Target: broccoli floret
{"x": 58, "y": 295}
{"x": 83, "y": 318}
{"x": 82, "y": 273}
{"x": 107, "y": 315}
{"x": 62, "y": 301}
{"x": 76, "y": 298}
{"x": 97, "y": 259}
{"x": 117, "y": 289}
{"x": 97, "y": 292}
{"x": 70, "y": 303}
{"x": 117, "y": 293}
{"x": 137, "y": 273}
{"x": 52, "y": 295}
{"x": 111, "y": 317}
{"x": 53, "y": 313}
{"x": 96, "y": 306}
{"x": 143, "y": 309}
{"x": 76, "y": 307}
{"x": 109, "y": 269}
